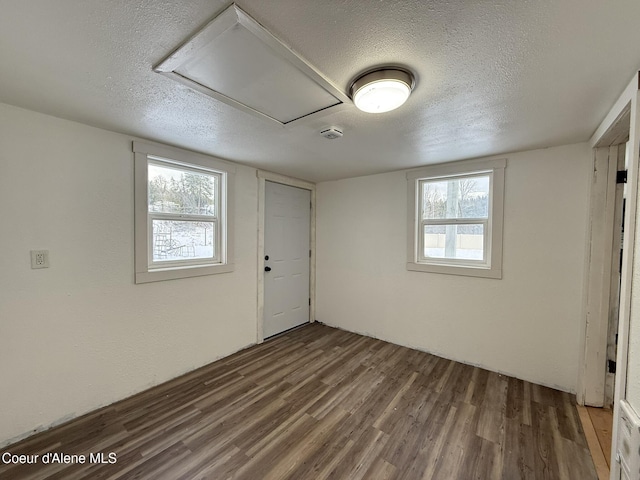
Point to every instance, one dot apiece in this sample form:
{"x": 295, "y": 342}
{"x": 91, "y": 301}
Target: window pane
{"x": 182, "y": 240}
{"x": 175, "y": 190}
{"x": 465, "y": 197}
{"x": 463, "y": 241}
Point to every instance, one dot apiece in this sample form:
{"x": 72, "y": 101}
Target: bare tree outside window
{"x": 454, "y": 213}
{"x": 457, "y": 215}
{"x": 184, "y": 206}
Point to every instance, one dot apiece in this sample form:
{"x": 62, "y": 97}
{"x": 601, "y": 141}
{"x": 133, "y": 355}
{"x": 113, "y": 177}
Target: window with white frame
{"x": 456, "y": 218}
{"x": 182, "y": 213}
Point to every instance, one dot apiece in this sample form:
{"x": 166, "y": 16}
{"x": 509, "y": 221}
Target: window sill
{"x": 160, "y": 275}
{"x": 468, "y": 271}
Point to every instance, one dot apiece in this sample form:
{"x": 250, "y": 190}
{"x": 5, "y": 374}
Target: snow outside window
{"x": 183, "y": 204}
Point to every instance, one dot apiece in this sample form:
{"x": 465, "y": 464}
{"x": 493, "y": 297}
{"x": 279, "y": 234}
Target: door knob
{"x": 267, "y": 269}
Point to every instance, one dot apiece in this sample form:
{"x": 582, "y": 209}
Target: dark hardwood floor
{"x": 320, "y": 403}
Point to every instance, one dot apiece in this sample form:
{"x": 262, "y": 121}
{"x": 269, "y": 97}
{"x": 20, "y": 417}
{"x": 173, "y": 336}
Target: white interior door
{"x": 286, "y": 249}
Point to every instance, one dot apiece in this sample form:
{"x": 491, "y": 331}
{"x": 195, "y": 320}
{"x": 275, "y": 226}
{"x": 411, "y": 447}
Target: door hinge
{"x": 612, "y": 366}
{"x": 621, "y": 176}
{"x": 309, "y": 302}
{"x": 309, "y": 253}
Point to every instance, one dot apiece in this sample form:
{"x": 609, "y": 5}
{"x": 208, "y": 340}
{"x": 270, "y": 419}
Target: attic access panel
{"x": 237, "y": 61}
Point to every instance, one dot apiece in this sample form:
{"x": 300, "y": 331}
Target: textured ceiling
{"x": 492, "y": 76}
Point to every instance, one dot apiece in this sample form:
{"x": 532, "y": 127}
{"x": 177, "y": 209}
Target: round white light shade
{"x": 382, "y": 90}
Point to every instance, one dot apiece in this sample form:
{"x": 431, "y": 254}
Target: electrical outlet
{"x": 39, "y": 258}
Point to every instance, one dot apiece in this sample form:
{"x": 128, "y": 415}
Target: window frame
{"x": 491, "y": 266}
{"x": 146, "y": 270}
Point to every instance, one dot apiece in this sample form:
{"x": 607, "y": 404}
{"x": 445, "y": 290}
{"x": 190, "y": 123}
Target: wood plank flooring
{"x": 597, "y": 455}
{"x": 321, "y": 403}
{"x": 602, "y": 420}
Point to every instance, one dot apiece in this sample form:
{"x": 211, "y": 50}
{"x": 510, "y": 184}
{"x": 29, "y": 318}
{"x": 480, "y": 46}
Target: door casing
{"x": 611, "y": 127}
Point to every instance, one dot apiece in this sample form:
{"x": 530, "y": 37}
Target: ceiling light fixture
{"x": 382, "y": 90}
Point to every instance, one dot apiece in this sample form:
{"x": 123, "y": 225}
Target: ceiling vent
{"x": 236, "y": 60}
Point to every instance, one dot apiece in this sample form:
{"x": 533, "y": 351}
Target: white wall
{"x": 633, "y": 365}
{"x": 633, "y": 359}
{"x": 527, "y": 325}
{"x": 80, "y": 334}
{"x": 632, "y": 394}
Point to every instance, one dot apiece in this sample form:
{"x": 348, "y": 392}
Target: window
{"x": 456, "y": 218}
{"x": 182, "y": 220}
